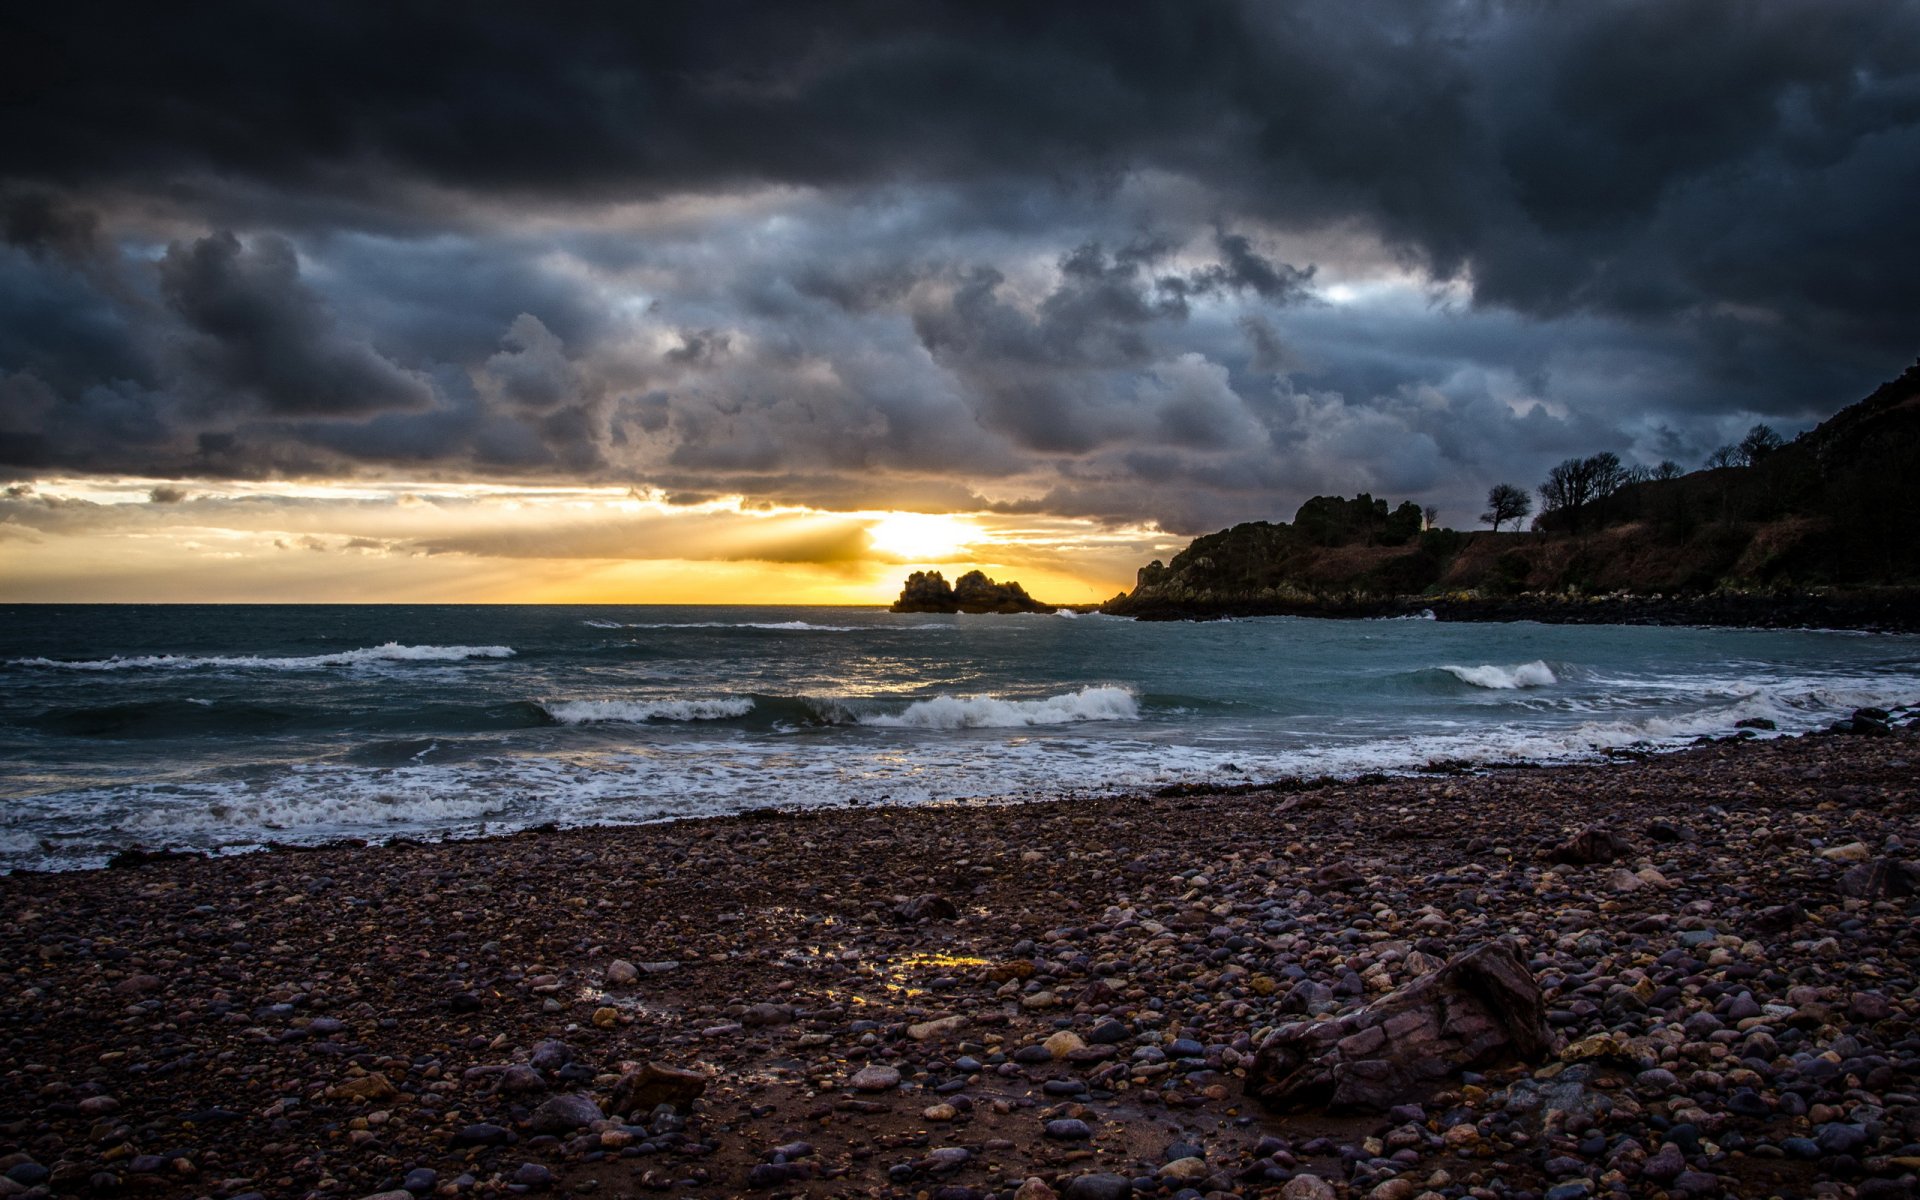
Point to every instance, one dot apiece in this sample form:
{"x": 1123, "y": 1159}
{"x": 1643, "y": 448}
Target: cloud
{"x": 1188, "y": 266}
{"x": 258, "y": 334}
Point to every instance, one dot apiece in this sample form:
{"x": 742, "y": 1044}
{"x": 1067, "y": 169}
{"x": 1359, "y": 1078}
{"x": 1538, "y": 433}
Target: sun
{"x": 922, "y": 537}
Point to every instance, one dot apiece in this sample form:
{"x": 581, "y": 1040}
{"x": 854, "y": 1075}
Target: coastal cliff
{"x": 1819, "y": 530}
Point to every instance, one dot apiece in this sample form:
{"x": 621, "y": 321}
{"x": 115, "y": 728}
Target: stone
{"x": 939, "y": 1112}
{"x": 1035, "y": 1188}
{"x": 1068, "y": 1129}
{"x": 939, "y": 1027}
{"x": 1594, "y": 844}
{"x": 874, "y": 1079}
{"x": 1063, "y": 1043}
{"x": 363, "y": 1089}
{"x": 1881, "y": 879}
{"x": 1307, "y": 1187}
{"x": 763, "y": 1015}
{"x": 640, "y": 1092}
{"x": 1850, "y": 852}
{"x": 1107, "y": 1031}
{"x": 927, "y": 908}
{"x": 1186, "y": 1170}
{"x": 564, "y": 1114}
{"x": 621, "y": 973}
{"x": 1100, "y": 1187}
{"x": 534, "y": 1176}
{"x": 550, "y": 1055}
{"x": 520, "y": 1079}
{"x": 482, "y": 1134}
{"x": 1481, "y": 1008}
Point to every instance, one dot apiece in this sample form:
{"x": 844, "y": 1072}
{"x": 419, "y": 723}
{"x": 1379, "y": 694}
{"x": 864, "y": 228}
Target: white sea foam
{"x": 390, "y": 652}
{"x": 597, "y": 623}
{"x": 777, "y": 626}
{"x": 673, "y": 779}
{"x": 1526, "y": 675}
{"x": 988, "y": 712}
{"x": 588, "y": 712}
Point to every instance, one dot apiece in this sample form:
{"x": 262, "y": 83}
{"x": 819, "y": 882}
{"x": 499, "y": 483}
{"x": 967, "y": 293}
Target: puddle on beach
{"x": 902, "y": 976}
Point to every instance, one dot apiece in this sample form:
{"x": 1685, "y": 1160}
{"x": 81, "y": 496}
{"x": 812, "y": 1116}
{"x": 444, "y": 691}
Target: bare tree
{"x": 1506, "y": 502}
{"x": 1760, "y": 441}
{"x": 1431, "y": 515}
{"x": 1579, "y": 482}
{"x": 1724, "y": 456}
{"x": 1668, "y": 469}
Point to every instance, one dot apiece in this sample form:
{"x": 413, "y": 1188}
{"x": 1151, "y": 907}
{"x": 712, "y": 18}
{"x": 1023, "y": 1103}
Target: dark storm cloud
{"x": 255, "y": 330}
{"x": 1140, "y": 261}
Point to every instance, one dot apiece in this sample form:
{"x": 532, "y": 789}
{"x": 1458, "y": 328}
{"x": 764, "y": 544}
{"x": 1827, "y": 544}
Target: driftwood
{"x": 1481, "y": 1008}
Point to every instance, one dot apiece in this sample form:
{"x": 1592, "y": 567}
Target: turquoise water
{"x": 231, "y": 726}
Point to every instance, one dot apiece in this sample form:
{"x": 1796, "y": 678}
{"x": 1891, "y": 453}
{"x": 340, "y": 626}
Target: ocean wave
{"x": 988, "y": 712}
{"x": 391, "y": 652}
{"x": 597, "y": 623}
{"x": 776, "y": 626}
{"x": 590, "y": 712}
{"x": 1526, "y": 675}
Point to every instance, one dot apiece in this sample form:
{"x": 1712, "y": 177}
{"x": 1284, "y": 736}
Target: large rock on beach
{"x": 1594, "y": 844}
{"x": 1881, "y": 879}
{"x": 1480, "y": 1008}
{"x": 652, "y": 1085}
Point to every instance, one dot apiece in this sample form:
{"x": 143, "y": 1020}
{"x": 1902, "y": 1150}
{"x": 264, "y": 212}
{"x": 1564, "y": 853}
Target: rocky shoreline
{"x": 1057, "y": 998}
{"x": 1891, "y": 610}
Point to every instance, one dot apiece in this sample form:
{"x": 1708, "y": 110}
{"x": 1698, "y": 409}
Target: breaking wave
{"x": 388, "y": 653}
{"x": 1526, "y": 675}
{"x": 590, "y": 712}
{"x": 987, "y": 712}
{"x": 779, "y": 626}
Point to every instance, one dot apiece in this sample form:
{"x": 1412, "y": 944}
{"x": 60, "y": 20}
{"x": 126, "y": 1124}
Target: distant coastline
{"x": 1887, "y": 609}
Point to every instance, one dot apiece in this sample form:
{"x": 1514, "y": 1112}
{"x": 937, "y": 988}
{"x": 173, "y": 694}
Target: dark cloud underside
{"x": 1179, "y": 261}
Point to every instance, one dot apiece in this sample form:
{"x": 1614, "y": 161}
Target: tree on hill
{"x": 1506, "y": 502}
{"x": 1760, "y": 441}
{"x": 1579, "y": 482}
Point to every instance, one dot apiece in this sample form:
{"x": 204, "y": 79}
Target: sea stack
{"x": 929, "y": 592}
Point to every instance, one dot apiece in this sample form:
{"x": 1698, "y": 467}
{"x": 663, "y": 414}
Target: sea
{"x": 229, "y": 728}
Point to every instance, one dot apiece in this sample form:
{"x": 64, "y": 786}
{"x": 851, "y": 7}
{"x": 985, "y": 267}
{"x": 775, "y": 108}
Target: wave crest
{"x": 390, "y": 652}
{"x": 591, "y": 712}
{"x": 1526, "y": 675}
{"x": 988, "y": 712}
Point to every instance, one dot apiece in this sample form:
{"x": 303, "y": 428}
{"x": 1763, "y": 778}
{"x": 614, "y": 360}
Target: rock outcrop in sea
{"x": 929, "y": 592}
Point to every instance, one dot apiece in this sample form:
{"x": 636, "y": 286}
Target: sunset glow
{"x": 130, "y": 539}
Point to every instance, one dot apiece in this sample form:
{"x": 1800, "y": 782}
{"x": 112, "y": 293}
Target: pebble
{"x": 1099, "y": 1187}
{"x": 1741, "y": 1012}
{"x": 874, "y": 1079}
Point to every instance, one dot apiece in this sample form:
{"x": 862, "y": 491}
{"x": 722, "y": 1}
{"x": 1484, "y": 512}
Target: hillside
{"x": 1821, "y": 528}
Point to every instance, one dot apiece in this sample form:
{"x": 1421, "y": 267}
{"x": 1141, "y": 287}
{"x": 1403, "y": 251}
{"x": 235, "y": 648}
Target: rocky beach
{"x": 1689, "y": 974}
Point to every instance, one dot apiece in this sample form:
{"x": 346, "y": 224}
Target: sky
{"x": 700, "y": 302}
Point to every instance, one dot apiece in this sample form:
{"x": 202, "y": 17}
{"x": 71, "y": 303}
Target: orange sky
{"x": 144, "y": 540}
